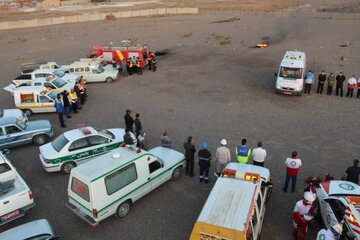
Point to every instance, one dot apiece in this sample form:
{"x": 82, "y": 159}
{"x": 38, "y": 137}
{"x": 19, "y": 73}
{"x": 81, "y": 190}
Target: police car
{"x": 76, "y": 146}
{"x": 340, "y": 201}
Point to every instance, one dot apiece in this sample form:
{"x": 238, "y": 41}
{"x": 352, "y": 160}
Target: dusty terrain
{"x": 204, "y": 89}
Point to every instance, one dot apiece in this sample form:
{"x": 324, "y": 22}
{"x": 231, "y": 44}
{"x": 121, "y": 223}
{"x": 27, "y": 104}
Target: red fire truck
{"x": 126, "y": 50}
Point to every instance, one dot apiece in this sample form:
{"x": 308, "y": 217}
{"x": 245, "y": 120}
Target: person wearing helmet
{"x": 204, "y": 162}
{"x": 222, "y": 156}
{"x": 302, "y": 215}
{"x": 330, "y": 234}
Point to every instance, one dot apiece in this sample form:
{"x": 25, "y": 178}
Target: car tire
{"x": 123, "y": 209}
{"x": 28, "y": 112}
{"x": 40, "y": 139}
{"x": 177, "y": 173}
{"x": 66, "y": 167}
{"x": 109, "y": 80}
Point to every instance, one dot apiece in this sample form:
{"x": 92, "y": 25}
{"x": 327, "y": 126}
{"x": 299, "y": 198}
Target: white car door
{"x": 333, "y": 211}
{"x": 158, "y": 174}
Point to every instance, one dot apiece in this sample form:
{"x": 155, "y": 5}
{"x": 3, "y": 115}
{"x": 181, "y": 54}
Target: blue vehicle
{"x": 15, "y": 132}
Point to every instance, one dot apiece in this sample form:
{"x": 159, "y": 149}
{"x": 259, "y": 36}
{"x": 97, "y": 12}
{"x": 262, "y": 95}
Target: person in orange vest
{"x": 82, "y": 92}
{"x": 73, "y": 99}
{"x": 351, "y": 86}
{"x": 138, "y": 67}
{"x": 83, "y": 82}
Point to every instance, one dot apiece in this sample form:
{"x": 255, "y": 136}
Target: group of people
{"x": 129, "y": 127}
{"x": 332, "y": 81}
{"x": 133, "y": 65}
{"x": 67, "y": 102}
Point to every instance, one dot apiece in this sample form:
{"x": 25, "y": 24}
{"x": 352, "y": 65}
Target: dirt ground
{"x": 204, "y": 89}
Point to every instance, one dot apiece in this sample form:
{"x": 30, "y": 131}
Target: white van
{"x": 290, "y": 77}
{"x": 108, "y": 185}
{"x": 93, "y": 71}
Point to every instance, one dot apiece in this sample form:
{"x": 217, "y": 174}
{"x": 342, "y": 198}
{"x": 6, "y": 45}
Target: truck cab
{"x": 290, "y": 76}
{"x": 92, "y": 71}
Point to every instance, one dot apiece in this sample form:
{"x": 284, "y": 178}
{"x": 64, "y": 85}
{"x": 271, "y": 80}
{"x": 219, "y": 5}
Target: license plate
{"x": 287, "y": 93}
{"x": 10, "y": 215}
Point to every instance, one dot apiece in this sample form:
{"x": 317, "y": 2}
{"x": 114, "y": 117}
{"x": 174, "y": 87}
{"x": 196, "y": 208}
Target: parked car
{"x": 4, "y": 113}
{"x": 31, "y": 66}
{"x": 16, "y": 198}
{"x": 35, "y": 230}
{"x": 75, "y": 146}
{"x": 14, "y": 132}
{"x": 92, "y": 71}
{"x": 28, "y": 77}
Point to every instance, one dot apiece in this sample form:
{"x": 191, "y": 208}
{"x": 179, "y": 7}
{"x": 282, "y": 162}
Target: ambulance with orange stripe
{"x": 235, "y": 208}
{"x": 126, "y": 50}
{"x": 339, "y": 201}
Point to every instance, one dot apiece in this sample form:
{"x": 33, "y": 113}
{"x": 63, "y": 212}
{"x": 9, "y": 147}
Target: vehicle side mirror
{"x": 162, "y": 165}
{"x": 275, "y": 74}
{"x": 5, "y": 151}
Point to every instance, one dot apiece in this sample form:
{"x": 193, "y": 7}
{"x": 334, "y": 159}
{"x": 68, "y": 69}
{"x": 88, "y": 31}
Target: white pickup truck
{"x": 31, "y": 66}
{"x": 15, "y": 196}
{"x": 26, "y": 78}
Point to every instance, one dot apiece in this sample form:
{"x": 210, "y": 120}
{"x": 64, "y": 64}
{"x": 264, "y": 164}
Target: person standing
{"x": 130, "y": 66}
{"x": 113, "y": 63}
{"x": 351, "y": 84}
{"x": 66, "y": 102}
{"x": 127, "y": 138}
{"x": 293, "y": 165}
{"x": 82, "y": 92}
{"x": 60, "y": 110}
{"x": 332, "y": 233}
{"x": 78, "y": 94}
{"x": 340, "y": 79}
{"x": 138, "y": 66}
{"x": 204, "y": 162}
{"x": 149, "y": 60}
{"x": 129, "y": 121}
{"x": 321, "y": 82}
{"x": 330, "y": 83}
{"x": 73, "y": 99}
{"x": 243, "y": 152}
{"x": 309, "y": 80}
{"x": 302, "y": 215}
{"x": 222, "y": 156}
{"x": 165, "y": 140}
{"x": 352, "y": 173}
{"x": 358, "y": 88}
{"x": 124, "y": 69}
{"x": 189, "y": 156}
{"x": 258, "y": 154}
{"x": 138, "y": 126}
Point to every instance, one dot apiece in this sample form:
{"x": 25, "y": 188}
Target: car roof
{"x": 340, "y": 188}
{"x": 28, "y": 230}
{"x": 293, "y": 59}
{"x": 107, "y": 163}
{"x": 45, "y": 70}
{"x": 80, "y": 132}
{"x": 29, "y": 88}
{"x": 7, "y": 120}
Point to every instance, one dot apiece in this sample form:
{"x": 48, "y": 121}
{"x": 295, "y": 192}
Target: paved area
{"x": 204, "y": 89}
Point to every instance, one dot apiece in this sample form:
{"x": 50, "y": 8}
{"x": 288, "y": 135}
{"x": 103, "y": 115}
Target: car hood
{"x": 27, "y": 230}
{"x": 169, "y": 156}
{"x": 38, "y": 125}
{"x": 119, "y": 134}
{"x": 111, "y": 71}
{"x": 72, "y": 78}
{"x": 48, "y": 151}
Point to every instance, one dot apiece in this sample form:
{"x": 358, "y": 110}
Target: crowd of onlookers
{"x": 332, "y": 81}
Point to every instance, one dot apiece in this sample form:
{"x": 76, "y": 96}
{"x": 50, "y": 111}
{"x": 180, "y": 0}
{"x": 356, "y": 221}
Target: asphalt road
{"x": 203, "y": 89}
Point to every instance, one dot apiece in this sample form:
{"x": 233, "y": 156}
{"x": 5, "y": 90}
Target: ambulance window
{"x": 37, "y": 84}
{"x": 80, "y": 189}
{"x": 26, "y": 98}
{"x": 95, "y": 71}
{"x": 155, "y": 165}
{"x": 254, "y": 219}
{"x": 1, "y": 132}
{"x": 338, "y": 208}
{"x": 120, "y": 179}
{"x": 71, "y": 70}
{"x": 4, "y": 168}
{"x": 79, "y": 69}
{"x": 258, "y": 201}
{"x": 87, "y": 69}
{"x": 79, "y": 144}
{"x": 12, "y": 129}
{"x": 41, "y": 75}
{"x": 49, "y": 85}
{"x": 44, "y": 99}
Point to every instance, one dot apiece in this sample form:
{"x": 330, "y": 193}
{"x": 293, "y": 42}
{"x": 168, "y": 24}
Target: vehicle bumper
{"x": 21, "y": 212}
{"x": 82, "y": 215}
{"x": 288, "y": 92}
{"x": 49, "y": 167}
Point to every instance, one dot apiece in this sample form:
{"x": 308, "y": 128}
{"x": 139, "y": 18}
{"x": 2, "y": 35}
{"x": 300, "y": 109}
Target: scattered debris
{"x": 227, "y": 20}
{"x": 222, "y": 40}
{"x": 343, "y": 58}
{"x": 187, "y": 35}
{"x": 345, "y": 45}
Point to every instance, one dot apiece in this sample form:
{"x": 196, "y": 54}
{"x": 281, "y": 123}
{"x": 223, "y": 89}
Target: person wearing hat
{"x": 302, "y": 215}
{"x": 129, "y": 121}
{"x": 204, "y": 162}
{"x": 332, "y": 233}
{"x": 222, "y": 157}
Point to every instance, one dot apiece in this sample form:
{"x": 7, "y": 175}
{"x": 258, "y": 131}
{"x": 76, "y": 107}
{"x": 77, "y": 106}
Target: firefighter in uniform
{"x": 331, "y": 234}
{"x": 302, "y": 215}
{"x": 149, "y": 60}
{"x": 138, "y": 67}
{"x": 243, "y": 152}
{"x": 204, "y": 162}
{"x": 130, "y": 66}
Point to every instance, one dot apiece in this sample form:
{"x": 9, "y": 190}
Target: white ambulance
{"x": 34, "y": 100}
{"x": 92, "y": 71}
{"x": 109, "y": 184}
{"x": 290, "y": 77}
{"x": 235, "y": 208}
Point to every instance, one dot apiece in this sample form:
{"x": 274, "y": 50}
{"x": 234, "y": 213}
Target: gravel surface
{"x": 204, "y": 89}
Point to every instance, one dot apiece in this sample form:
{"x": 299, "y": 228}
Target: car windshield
{"x": 52, "y": 95}
{"x": 59, "y": 73}
{"x": 59, "y": 142}
{"x": 105, "y": 133}
{"x": 43, "y": 236}
{"x": 290, "y": 73}
{"x": 20, "y": 123}
{"x": 101, "y": 69}
{"x": 59, "y": 83}
{"x": 103, "y": 63}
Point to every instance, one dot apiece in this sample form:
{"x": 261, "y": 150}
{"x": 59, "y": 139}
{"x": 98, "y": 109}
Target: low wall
{"x": 87, "y": 17}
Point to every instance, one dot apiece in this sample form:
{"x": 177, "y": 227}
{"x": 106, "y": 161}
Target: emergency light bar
{"x": 84, "y": 129}
{"x": 247, "y": 176}
{"x": 354, "y": 200}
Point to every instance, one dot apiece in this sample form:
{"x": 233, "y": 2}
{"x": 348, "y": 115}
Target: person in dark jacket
{"x": 78, "y": 94}
{"x": 138, "y": 127}
{"x": 129, "y": 121}
{"x": 127, "y": 138}
{"x": 66, "y": 102}
{"x": 189, "y": 157}
{"x": 340, "y": 79}
{"x": 321, "y": 79}
{"x": 60, "y": 110}
{"x": 352, "y": 173}
{"x": 204, "y": 162}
